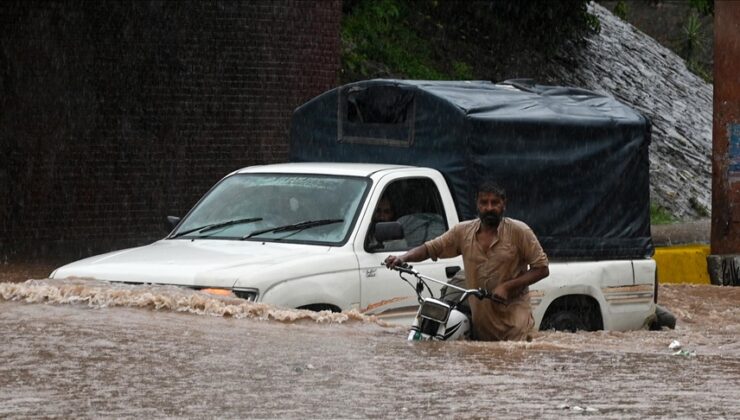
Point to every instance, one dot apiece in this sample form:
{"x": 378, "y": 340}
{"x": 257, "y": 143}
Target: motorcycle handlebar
{"x": 480, "y": 293}
{"x": 405, "y": 268}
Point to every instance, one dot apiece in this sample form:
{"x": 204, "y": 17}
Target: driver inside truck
{"x": 384, "y": 212}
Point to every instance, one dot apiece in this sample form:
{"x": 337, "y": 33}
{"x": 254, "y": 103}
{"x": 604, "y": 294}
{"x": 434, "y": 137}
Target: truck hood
{"x": 204, "y": 263}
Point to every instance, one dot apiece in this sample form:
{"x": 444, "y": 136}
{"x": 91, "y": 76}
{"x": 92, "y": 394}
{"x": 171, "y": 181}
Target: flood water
{"x": 91, "y": 349}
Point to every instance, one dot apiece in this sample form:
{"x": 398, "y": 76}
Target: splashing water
{"x": 97, "y": 294}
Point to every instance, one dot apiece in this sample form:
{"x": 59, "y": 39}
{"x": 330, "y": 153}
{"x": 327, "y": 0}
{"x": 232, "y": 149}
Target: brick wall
{"x": 115, "y": 114}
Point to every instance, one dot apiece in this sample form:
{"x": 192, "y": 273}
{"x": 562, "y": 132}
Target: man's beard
{"x": 490, "y": 219}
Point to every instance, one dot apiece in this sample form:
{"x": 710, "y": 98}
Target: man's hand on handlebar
{"x": 417, "y": 254}
{"x": 486, "y": 294}
{"x": 394, "y": 261}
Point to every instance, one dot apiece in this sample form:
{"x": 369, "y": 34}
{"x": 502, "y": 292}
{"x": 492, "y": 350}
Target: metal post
{"x": 724, "y": 263}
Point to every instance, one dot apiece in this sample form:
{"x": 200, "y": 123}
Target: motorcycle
{"x": 437, "y": 319}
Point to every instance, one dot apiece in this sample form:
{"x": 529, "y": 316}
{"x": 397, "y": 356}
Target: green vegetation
{"x": 378, "y": 41}
{"x": 700, "y": 70}
{"x": 693, "y": 41}
{"x": 463, "y": 70}
{"x": 481, "y": 39}
{"x": 621, "y": 10}
{"x": 660, "y": 216}
{"x": 457, "y": 39}
{"x": 693, "y": 44}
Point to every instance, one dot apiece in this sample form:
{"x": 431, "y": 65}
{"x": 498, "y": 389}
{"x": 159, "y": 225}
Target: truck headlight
{"x": 247, "y": 293}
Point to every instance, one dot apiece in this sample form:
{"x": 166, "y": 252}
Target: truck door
{"x": 415, "y": 203}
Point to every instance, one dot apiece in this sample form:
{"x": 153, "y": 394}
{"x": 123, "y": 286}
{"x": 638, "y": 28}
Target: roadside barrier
{"x": 682, "y": 264}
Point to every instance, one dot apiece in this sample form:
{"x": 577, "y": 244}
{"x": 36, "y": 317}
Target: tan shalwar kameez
{"x": 508, "y": 257}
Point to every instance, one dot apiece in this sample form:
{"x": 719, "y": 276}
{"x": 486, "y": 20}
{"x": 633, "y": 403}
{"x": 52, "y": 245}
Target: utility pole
{"x": 724, "y": 263}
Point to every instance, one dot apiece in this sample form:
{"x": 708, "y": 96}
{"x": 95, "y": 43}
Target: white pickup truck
{"x": 300, "y": 235}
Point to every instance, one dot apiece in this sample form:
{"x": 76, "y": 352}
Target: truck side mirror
{"x": 172, "y": 222}
{"x": 388, "y": 231}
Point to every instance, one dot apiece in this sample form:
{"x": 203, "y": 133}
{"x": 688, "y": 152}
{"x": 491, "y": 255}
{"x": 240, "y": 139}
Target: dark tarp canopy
{"x": 574, "y": 163}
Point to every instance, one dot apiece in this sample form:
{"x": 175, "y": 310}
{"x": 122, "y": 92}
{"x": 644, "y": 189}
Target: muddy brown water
{"x": 92, "y": 349}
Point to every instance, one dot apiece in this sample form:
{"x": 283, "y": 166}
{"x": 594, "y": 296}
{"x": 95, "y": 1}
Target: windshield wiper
{"x": 213, "y": 226}
{"x": 295, "y": 226}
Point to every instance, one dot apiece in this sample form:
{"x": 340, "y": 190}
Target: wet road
{"x": 89, "y": 349}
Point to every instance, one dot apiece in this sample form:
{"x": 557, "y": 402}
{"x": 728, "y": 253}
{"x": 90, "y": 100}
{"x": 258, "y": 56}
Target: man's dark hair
{"x": 490, "y": 186}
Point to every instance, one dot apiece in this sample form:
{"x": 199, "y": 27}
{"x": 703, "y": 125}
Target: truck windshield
{"x": 246, "y": 203}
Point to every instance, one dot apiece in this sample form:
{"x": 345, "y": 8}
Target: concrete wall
{"x": 114, "y": 114}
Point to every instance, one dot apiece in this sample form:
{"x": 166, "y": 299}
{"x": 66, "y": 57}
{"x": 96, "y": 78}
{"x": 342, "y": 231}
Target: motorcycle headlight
{"x": 435, "y": 310}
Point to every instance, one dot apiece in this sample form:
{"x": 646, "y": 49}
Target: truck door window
{"x": 415, "y": 203}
